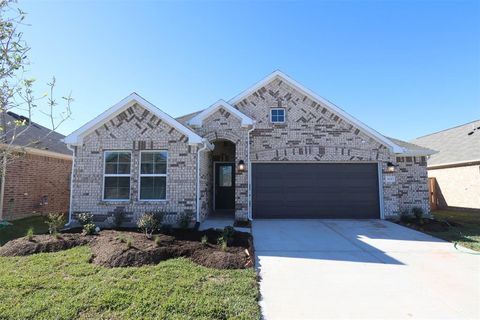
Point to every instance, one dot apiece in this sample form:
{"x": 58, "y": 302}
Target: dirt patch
{"x": 42, "y": 243}
{"x": 429, "y": 225}
{"x": 112, "y": 248}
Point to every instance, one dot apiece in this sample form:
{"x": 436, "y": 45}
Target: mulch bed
{"x": 429, "y": 225}
{"x": 111, "y": 248}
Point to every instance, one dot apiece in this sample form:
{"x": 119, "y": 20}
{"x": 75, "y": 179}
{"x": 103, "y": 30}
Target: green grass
{"x": 63, "y": 285}
{"x": 467, "y": 235}
{"x": 19, "y": 228}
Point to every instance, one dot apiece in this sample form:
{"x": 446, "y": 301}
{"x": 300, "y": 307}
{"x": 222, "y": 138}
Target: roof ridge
{"x": 436, "y": 132}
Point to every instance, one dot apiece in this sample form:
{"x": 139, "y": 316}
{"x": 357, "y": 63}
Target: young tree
{"x": 16, "y": 91}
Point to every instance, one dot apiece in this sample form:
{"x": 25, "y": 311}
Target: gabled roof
{"x": 197, "y": 120}
{"x": 411, "y": 149}
{"x": 456, "y": 145}
{"x": 335, "y": 109}
{"x": 33, "y": 135}
{"x": 76, "y": 137}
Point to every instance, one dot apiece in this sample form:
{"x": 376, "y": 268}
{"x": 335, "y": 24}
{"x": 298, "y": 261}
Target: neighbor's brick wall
{"x": 222, "y": 125}
{"x": 29, "y": 179}
{"x": 458, "y": 187}
{"x": 134, "y": 130}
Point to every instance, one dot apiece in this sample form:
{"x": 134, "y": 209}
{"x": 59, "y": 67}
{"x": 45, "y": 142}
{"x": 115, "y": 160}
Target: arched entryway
{"x": 223, "y": 164}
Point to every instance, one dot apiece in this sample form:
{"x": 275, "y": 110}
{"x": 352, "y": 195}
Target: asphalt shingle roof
{"x": 457, "y": 144}
{"x": 35, "y": 136}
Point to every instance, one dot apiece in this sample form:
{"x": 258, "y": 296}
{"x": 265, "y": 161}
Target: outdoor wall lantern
{"x": 390, "y": 167}
{"x": 241, "y": 166}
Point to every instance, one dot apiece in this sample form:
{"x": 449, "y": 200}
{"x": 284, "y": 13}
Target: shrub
{"x": 204, "y": 240}
{"x": 30, "y": 234}
{"x": 122, "y": 239}
{"x": 149, "y": 223}
{"x": 417, "y": 212}
{"x": 54, "y": 222}
{"x": 118, "y": 218}
{"x": 89, "y": 229}
{"x": 184, "y": 220}
{"x": 228, "y": 234}
{"x": 157, "y": 240}
{"x": 129, "y": 243}
{"x": 222, "y": 243}
{"x": 85, "y": 218}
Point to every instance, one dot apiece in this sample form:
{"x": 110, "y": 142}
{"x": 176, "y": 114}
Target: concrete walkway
{"x": 368, "y": 269}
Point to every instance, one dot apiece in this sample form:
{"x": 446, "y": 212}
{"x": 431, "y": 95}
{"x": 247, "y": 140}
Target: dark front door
{"x": 225, "y": 186}
{"x": 321, "y": 190}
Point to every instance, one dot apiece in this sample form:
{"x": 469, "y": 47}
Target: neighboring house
{"x": 277, "y": 150}
{"x": 456, "y": 167}
{"x": 37, "y": 178}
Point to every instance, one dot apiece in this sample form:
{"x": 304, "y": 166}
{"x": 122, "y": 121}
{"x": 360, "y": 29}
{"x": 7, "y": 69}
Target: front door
{"x": 224, "y": 186}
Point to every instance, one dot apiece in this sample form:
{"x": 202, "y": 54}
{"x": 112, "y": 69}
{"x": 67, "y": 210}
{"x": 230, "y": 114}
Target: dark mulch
{"x": 428, "y": 225}
{"x": 112, "y": 248}
{"x": 42, "y": 243}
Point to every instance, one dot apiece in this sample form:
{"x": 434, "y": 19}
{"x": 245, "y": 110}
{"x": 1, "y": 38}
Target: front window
{"x": 153, "y": 175}
{"x": 277, "y": 115}
{"x": 117, "y": 175}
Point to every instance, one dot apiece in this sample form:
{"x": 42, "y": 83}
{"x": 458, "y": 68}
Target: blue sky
{"x": 405, "y": 68}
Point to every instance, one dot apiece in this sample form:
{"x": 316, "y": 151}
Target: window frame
{"x": 284, "y": 115}
{"x": 140, "y": 175}
{"x": 116, "y": 175}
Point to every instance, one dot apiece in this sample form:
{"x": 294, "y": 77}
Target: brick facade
{"x": 36, "y": 184}
{"x": 312, "y": 132}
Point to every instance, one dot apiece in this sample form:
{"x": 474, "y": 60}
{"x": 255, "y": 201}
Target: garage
{"x": 315, "y": 190}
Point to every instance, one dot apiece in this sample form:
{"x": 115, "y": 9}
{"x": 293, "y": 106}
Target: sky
{"x": 404, "y": 68}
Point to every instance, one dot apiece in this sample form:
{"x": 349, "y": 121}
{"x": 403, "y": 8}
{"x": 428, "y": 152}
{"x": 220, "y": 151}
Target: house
{"x": 276, "y": 150}
{"x": 455, "y": 169}
{"x": 38, "y": 169}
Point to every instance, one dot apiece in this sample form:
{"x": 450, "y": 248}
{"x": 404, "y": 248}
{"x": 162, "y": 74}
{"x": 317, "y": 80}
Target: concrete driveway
{"x": 350, "y": 269}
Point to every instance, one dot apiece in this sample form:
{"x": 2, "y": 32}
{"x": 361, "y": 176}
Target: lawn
{"x": 64, "y": 285}
{"x": 19, "y": 228}
{"x": 467, "y": 234}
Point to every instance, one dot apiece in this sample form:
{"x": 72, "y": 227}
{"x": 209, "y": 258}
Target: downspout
{"x": 70, "y": 210}
{"x": 205, "y": 146}
{"x": 249, "y": 173}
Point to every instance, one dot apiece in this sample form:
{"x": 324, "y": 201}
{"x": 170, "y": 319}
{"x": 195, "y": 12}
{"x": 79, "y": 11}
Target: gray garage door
{"x": 305, "y": 190}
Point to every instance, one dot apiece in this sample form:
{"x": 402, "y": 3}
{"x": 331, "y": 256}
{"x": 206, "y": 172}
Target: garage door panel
{"x": 282, "y": 190}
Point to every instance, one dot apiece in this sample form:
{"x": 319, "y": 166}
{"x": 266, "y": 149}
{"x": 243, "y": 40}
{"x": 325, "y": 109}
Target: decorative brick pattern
{"x": 134, "y": 130}
{"x": 36, "y": 184}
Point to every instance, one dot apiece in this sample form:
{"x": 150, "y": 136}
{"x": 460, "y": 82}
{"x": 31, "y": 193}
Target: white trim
{"x": 380, "y": 191}
{"x": 117, "y": 175}
{"x": 464, "y": 163}
{"x": 140, "y": 175}
{"x": 70, "y": 208}
{"x": 360, "y": 125}
{"x": 284, "y": 116}
{"x": 38, "y": 152}
{"x": 198, "y": 119}
{"x": 76, "y": 137}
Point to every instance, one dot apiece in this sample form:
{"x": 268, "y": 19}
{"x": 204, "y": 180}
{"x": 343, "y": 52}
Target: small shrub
{"x": 149, "y": 223}
{"x": 30, "y": 234}
{"x": 57, "y": 235}
{"x": 122, "y": 239}
{"x": 54, "y": 222}
{"x": 157, "y": 240}
{"x": 228, "y": 234}
{"x": 204, "y": 240}
{"x": 184, "y": 220}
{"x": 222, "y": 243}
{"x": 417, "y": 212}
{"x": 118, "y": 218}
{"x": 129, "y": 243}
{"x": 89, "y": 229}
{"x": 85, "y": 218}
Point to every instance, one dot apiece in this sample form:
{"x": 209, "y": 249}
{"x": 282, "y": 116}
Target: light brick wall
{"x": 458, "y": 187}
{"x": 30, "y": 180}
{"x": 134, "y": 130}
{"x": 222, "y": 125}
